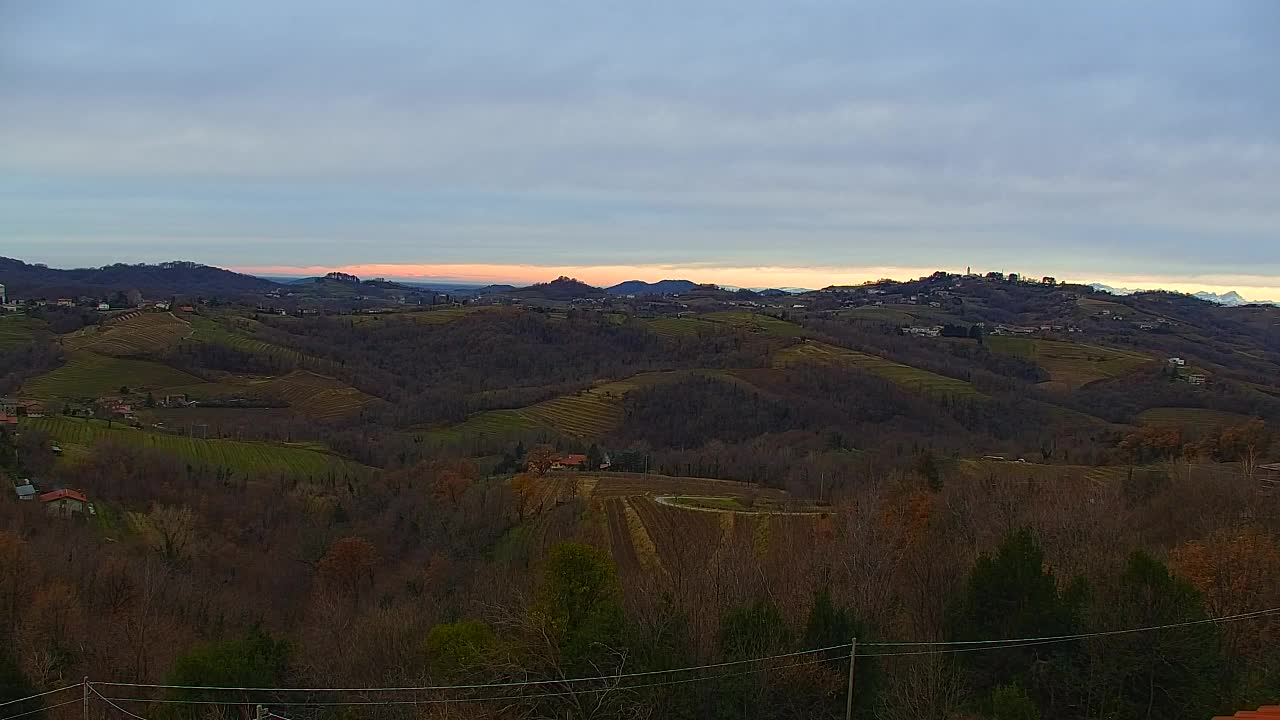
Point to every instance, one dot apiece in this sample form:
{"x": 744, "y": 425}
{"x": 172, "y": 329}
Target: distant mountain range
{"x": 662, "y": 287}
{"x": 164, "y": 279}
{"x": 562, "y": 288}
{"x": 1231, "y": 298}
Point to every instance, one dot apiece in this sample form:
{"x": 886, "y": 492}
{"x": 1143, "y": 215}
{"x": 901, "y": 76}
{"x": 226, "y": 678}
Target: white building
{"x": 1177, "y": 361}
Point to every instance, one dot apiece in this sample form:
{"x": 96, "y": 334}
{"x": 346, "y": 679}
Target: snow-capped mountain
{"x": 1231, "y": 298}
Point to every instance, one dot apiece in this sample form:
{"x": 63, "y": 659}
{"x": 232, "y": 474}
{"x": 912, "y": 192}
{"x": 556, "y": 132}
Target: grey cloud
{"x": 914, "y": 134}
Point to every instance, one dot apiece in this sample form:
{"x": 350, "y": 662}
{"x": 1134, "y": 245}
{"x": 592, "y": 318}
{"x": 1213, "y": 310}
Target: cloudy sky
{"x": 752, "y": 143}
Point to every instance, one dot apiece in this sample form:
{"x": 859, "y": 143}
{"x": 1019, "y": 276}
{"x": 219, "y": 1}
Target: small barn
{"x": 65, "y": 502}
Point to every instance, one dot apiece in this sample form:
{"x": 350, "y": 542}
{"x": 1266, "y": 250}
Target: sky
{"x": 801, "y": 144}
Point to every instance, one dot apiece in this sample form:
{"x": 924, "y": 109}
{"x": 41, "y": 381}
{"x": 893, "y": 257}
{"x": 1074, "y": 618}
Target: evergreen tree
{"x": 1011, "y": 595}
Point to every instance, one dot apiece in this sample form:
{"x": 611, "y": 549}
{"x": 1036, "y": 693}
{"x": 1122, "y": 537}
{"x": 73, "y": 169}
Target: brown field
{"x": 644, "y": 534}
{"x": 1194, "y": 421}
{"x": 588, "y": 413}
{"x": 905, "y": 375}
{"x": 1070, "y": 364}
{"x": 317, "y": 396}
{"x": 135, "y": 333}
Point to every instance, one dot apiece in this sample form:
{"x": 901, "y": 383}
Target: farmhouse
{"x": 26, "y": 491}
{"x": 1177, "y": 362}
{"x": 921, "y": 331}
{"x": 574, "y": 461}
{"x": 65, "y": 502}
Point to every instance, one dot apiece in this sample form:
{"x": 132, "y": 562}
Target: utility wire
{"x": 975, "y": 645}
{"x": 108, "y": 701}
{"x": 480, "y": 686}
{"x": 1082, "y": 636}
{"x": 46, "y": 692}
{"x": 40, "y": 709}
{"x": 939, "y": 647}
{"x": 490, "y": 698}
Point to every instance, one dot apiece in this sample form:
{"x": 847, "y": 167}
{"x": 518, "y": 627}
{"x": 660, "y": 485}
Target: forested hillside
{"x": 557, "y": 502}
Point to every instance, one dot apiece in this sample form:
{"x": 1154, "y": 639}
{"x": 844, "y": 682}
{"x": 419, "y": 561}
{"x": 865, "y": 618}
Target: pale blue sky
{"x": 1108, "y": 139}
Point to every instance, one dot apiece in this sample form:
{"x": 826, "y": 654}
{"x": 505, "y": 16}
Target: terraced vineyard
{"x": 757, "y": 322}
{"x": 19, "y": 330}
{"x": 318, "y": 396}
{"x": 670, "y": 327}
{"x": 89, "y": 375}
{"x": 442, "y": 316}
{"x": 590, "y": 413}
{"x": 258, "y": 461}
{"x": 1070, "y": 364}
{"x": 1195, "y": 421}
{"x": 905, "y": 375}
{"x": 878, "y": 314}
{"x": 137, "y": 333}
{"x": 210, "y": 331}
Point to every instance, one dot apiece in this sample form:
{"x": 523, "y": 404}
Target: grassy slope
{"x": 1194, "y": 420}
{"x": 257, "y": 460}
{"x": 590, "y": 413}
{"x": 18, "y": 330}
{"x": 137, "y": 333}
{"x": 318, "y": 396}
{"x": 1070, "y": 364}
{"x": 757, "y": 322}
{"x": 89, "y": 375}
{"x": 905, "y": 375}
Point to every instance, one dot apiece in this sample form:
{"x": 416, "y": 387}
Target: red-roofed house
{"x": 575, "y": 461}
{"x": 64, "y": 502}
{"x": 1266, "y": 711}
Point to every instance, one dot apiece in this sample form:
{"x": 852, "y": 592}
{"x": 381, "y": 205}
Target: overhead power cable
{"x": 108, "y": 701}
{"x": 39, "y": 709}
{"x": 933, "y": 647}
{"x": 1082, "y": 636}
{"x": 481, "y": 686}
{"x": 489, "y": 698}
{"x": 46, "y": 692}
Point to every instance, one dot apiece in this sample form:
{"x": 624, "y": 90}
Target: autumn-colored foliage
{"x": 349, "y": 565}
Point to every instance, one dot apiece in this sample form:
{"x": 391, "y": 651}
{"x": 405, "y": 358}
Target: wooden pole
{"x": 848, "y": 701}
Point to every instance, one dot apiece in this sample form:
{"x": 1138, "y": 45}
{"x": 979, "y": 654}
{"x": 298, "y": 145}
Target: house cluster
{"x": 578, "y": 461}
{"x": 932, "y": 331}
{"x": 1032, "y": 329}
{"x": 62, "y": 502}
{"x": 12, "y": 408}
{"x": 1182, "y": 374}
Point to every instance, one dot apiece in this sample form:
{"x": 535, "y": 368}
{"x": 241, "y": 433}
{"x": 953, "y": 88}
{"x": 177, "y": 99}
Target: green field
{"x": 670, "y": 327}
{"x": 137, "y": 333}
{"x": 1070, "y": 364}
{"x": 318, "y": 396}
{"x": 905, "y": 375}
{"x": 18, "y": 330}
{"x": 256, "y": 460}
{"x": 1195, "y": 421}
{"x": 426, "y": 317}
{"x": 89, "y": 375}
{"x": 590, "y": 413}
{"x": 239, "y": 338}
{"x": 878, "y": 314}
{"x": 757, "y": 323}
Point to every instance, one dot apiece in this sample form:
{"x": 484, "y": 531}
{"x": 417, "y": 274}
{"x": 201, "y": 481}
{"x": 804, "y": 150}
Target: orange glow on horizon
{"x": 1253, "y": 287}
{"x": 603, "y": 275}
